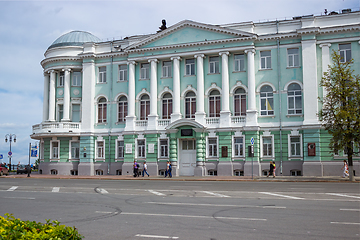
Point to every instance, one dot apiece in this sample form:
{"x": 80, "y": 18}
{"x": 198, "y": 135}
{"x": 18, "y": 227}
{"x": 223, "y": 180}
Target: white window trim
{"x": 51, "y": 150}
{"x": 136, "y": 148}
{"x": 61, "y": 76}
{"x": 298, "y": 55}
{"x": 147, "y": 71}
{"x": 70, "y": 157}
{"x": 120, "y": 138}
{"x": 266, "y": 134}
{"x": 266, "y": 67}
{"x": 71, "y": 111}
{"x": 161, "y": 104}
{"x": 295, "y": 134}
{"x": 344, "y": 50}
{"x": 99, "y": 74}
{"x": 99, "y": 139}
{"x": 97, "y": 109}
{"x": 190, "y": 67}
{"x": 169, "y": 68}
{"x": 218, "y": 62}
{"x": 168, "y": 148}
{"x": 235, "y": 60}
{"x": 207, "y": 147}
{"x": 125, "y": 74}
{"x": 233, "y": 146}
{"x": 72, "y": 79}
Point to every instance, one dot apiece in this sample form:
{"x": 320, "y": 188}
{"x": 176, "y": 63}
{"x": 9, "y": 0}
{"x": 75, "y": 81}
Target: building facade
{"x": 197, "y": 95}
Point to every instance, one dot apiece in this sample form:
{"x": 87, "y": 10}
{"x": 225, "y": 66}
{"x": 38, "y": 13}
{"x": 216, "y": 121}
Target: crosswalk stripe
{"x": 342, "y": 195}
{"x": 13, "y": 188}
{"x": 280, "y": 195}
{"x": 156, "y": 193}
{"x": 55, "y": 189}
{"x": 103, "y": 191}
{"x": 215, "y": 194}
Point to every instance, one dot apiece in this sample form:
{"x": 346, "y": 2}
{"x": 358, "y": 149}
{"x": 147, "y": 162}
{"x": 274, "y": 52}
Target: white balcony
{"x": 56, "y": 127}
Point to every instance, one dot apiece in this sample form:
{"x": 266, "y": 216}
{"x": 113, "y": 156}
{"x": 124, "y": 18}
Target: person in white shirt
{"x": 145, "y": 170}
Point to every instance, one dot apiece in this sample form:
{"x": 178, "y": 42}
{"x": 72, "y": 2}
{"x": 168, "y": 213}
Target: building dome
{"x": 74, "y": 38}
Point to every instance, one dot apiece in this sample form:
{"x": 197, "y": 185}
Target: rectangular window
{"x": 164, "y": 148}
{"x": 265, "y": 59}
{"x": 293, "y": 57}
{"x": 295, "y": 146}
{"x": 144, "y": 70}
{"x": 214, "y": 66}
{"x": 238, "y": 146}
{"x": 55, "y": 150}
{"x": 60, "y": 112}
{"x": 76, "y": 79}
{"x": 239, "y": 60}
{"x": 123, "y": 73}
{"x": 345, "y": 52}
{"x": 267, "y": 146}
{"x": 190, "y": 67}
{"x": 75, "y": 150}
{"x": 61, "y": 80}
{"x": 100, "y": 149}
{"x": 166, "y": 69}
{"x": 141, "y": 148}
{"x": 102, "y": 75}
{"x": 120, "y": 149}
{"x": 212, "y": 144}
{"x": 75, "y": 115}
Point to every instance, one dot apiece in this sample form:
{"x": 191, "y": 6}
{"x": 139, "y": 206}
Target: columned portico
{"x": 251, "y": 112}
{"x": 200, "y": 112}
{"x": 176, "y": 89}
{"x": 66, "y": 116}
{"x": 152, "y": 118}
{"x": 52, "y": 96}
{"x": 130, "y": 118}
{"x": 46, "y": 97}
{"x": 225, "y": 111}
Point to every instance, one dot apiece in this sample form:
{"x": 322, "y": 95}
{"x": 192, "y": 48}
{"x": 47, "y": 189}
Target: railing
{"x": 212, "y": 120}
{"x": 238, "y": 119}
{"x": 141, "y": 123}
{"x": 163, "y": 122}
{"x": 55, "y": 125}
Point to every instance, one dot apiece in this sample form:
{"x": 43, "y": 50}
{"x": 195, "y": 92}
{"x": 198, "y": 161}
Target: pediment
{"x": 189, "y": 32}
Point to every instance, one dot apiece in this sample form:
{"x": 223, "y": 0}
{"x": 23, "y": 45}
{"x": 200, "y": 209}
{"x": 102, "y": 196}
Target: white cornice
{"x": 58, "y": 59}
{"x": 337, "y": 29}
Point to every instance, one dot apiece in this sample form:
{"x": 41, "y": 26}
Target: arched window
{"x": 166, "y": 106}
{"x": 190, "y": 105}
{"x": 122, "y": 109}
{"x": 240, "y": 102}
{"x": 102, "y": 105}
{"x": 214, "y": 103}
{"x": 144, "y": 107}
{"x": 266, "y": 100}
{"x": 294, "y": 99}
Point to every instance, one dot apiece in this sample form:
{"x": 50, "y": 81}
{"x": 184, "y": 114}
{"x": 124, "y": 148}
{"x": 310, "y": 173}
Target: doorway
{"x": 187, "y": 157}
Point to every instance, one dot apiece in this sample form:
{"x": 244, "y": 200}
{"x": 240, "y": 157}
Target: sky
{"x": 28, "y": 28}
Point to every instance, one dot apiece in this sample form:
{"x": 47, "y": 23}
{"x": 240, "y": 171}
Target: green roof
{"x": 74, "y": 38}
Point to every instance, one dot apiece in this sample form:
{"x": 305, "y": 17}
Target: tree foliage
{"x": 340, "y": 113}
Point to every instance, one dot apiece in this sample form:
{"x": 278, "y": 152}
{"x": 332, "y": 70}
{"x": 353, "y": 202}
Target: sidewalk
{"x": 184, "y": 178}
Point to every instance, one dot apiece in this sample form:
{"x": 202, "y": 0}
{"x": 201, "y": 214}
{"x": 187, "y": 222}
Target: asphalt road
{"x": 126, "y": 209}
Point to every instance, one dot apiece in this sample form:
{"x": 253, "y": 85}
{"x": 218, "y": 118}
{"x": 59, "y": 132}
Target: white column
{"x": 130, "y": 118}
{"x": 251, "y": 112}
{"x": 66, "y": 116}
{"x": 46, "y": 97}
{"x": 52, "y": 96}
{"x": 200, "y": 113}
{"x": 325, "y": 59}
{"x": 225, "y": 119}
{"x": 152, "y": 118}
{"x": 310, "y": 82}
{"x": 88, "y": 105}
{"x": 176, "y": 114}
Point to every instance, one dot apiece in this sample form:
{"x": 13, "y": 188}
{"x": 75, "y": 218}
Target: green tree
{"x": 340, "y": 113}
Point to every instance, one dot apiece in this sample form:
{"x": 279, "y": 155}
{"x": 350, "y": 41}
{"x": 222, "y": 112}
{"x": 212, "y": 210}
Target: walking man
{"x": 145, "y": 170}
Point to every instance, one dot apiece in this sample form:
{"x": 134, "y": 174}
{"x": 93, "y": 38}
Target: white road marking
{"x": 352, "y": 210}
{"x": 191, "y": 216}
{"x": 156, "y": 193}
{"x": 280, "y": 195}
{"x": 55, "y": 189}
{"x": 13, "y": 188}
{"x": 345, "y": 223}
{"x": 21, "y": 198}
{"x": 215, "y": 194}
{"x": 103, "y": 191}
{"x": 214, "y": 205}
{"x": 155, "y": 236}
{"x": 342, "y": 195}
{"x": 104, "y": 212}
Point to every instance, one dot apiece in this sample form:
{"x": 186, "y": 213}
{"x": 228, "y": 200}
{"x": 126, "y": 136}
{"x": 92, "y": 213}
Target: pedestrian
{"x": 136, "y": 169}
{"x": 272, "y": 169}
{"x": 170, "y": 168}
{"x": 167, "y": 169}
{"x": 346, "y": 169}
{"x": 145, "y": 170}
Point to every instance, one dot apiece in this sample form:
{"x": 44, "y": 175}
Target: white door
{"x": 187, "y": 157}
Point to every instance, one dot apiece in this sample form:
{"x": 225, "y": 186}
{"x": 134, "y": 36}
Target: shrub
{"x": 12, "y": 228}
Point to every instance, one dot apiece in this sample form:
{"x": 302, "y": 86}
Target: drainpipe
{"x": 110, "y": 100}
{"x": 279, "y": 87}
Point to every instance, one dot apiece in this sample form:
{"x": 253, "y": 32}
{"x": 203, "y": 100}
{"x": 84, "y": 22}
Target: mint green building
{"x": 195, "y": 94}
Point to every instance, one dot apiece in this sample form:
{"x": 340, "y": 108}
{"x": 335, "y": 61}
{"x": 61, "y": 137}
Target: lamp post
{"x": 10, "y": 137}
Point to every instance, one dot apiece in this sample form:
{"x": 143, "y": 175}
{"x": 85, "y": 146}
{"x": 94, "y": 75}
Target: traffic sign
{"x": 9, "y": 153}
{"x": 252, "y": 141}
{"x": 1, "y": 156}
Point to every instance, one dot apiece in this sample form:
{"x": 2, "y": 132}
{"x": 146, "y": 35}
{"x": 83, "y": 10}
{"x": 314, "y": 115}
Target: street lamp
{"x": 10, "y": 137}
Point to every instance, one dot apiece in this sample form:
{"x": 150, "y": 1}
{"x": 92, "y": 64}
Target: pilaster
{"x": 176, "y": 114}
{"x": 152, "y": 118}
{"x": 66, "y": 116}
{"x": 251, "y": 112}
{"x": 130, "y": 118}
{"x": 225, "y": 114}
{"x": 52, "y": 96}
{"x": 200, "y": 113}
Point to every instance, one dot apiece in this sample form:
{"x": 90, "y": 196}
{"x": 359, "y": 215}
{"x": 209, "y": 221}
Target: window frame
{"x": 267, "y": 60}
{"x": 297, "y": 110}
{"x": 163, "y": 150}
{"x": 60, "y": 112}
{"x": 189, "y": 102}
{"x": 72, "y": 111}
{"x": 345, "y": 53}
{"x": 299, "y": 144}
{"x": 144, "y": 71}
{"x": 140, "y": 156}
{"x": 57, "y": 157}
{"x": 190, "y": 67}
{"x": 267, "y": 97}
{"x": 208, "y": 154}
{"x": 234, "y": 146}
{"x": 166, "y": 106}
{"x": 293, "y": 57}
{"x": 166, "y": 69}
{"x": 239, "y": 64}
{"x": 71, "y": 150}
{"x": 118, "y": 151}
{"x": 146, "y": 104}
{"x": 102, "y": 74}
{"x": 241, "y": 97}
{"x": 124, "y": 108}
{"x": 262, "y": 147}
{"x": 76, "y": 79}
{"x": 103, "y": 107}
{"x": 216, "y": 99}
{"x": 123, "y": 73}
{"x": 102, "y": 157}
{"x": 214, "y": 65}
{"x": 61, "y": 81}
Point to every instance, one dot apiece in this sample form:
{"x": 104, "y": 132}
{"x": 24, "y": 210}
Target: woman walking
{"x": 346, "y": 169}
{"x": 272, "y": 169}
